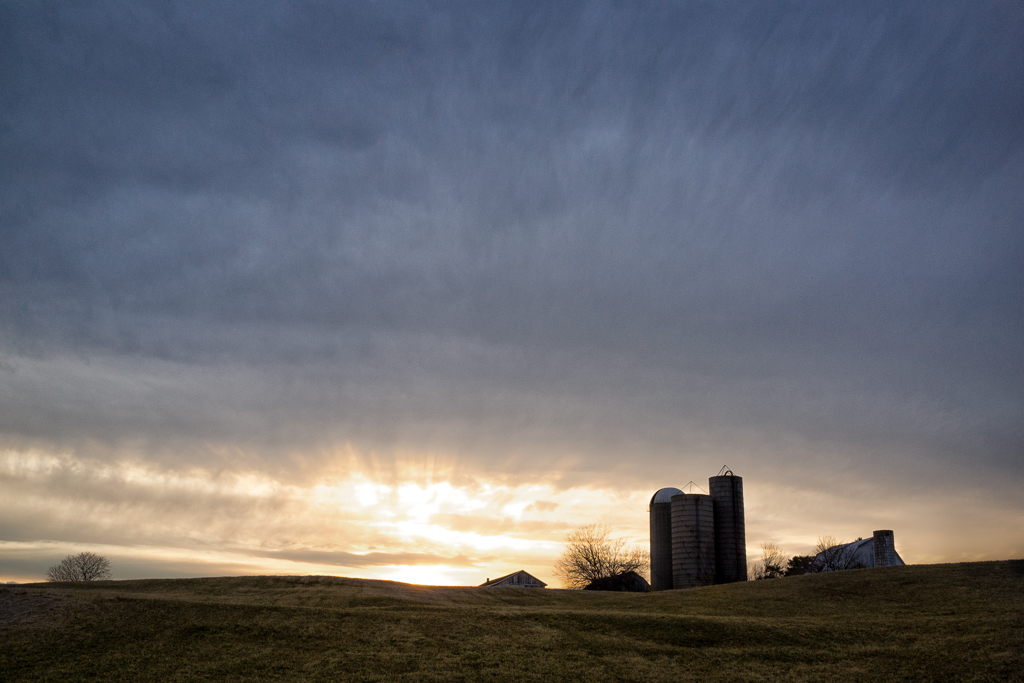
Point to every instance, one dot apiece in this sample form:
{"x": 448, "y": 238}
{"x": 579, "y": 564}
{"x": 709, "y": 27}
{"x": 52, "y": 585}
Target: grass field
{"x": 921, "y": 623}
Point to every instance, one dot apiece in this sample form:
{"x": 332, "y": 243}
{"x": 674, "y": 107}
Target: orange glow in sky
{"x": 158, "y": 522}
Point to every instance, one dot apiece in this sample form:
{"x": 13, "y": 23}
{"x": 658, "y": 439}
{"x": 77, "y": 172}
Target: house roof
{"x": 501, "y": 579}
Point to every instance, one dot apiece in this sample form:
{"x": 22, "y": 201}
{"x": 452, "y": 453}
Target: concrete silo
{"x": 661, "y": 539}
{"x": 693, "y": 540}
{"x": 730, "y": 528}
{"x": 884, "y": 546}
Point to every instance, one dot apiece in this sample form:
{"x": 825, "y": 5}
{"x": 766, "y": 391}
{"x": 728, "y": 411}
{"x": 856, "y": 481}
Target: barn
{"x": 521, "y": 579}
{"x": 877, "y": 551}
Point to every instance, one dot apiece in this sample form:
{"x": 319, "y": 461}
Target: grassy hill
{"x": 918, "y": 623}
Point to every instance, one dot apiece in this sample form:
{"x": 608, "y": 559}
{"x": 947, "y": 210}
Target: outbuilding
{"x": 521, "y": 579}
{"x": 877, "y": 551}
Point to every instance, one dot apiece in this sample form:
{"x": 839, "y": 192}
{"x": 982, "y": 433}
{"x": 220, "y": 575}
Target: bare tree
{"x": 832, "y": 556}
{"x": 80, "y": 567}
{"x": 590, "y": 554}
{"x": 771, "y": 564}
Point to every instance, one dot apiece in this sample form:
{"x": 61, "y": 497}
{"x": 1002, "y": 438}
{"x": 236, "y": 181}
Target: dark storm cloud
{"x": 574, "y": 229}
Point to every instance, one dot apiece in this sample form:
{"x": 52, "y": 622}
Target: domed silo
{"x": 693, "y": 540}
{"x": 661, "y": 539}
{"x": 730, "y": 528}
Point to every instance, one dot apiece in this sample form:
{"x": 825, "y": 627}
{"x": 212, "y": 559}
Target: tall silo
{"x": 661, "y": 539}
{"x": 693, "y": 540}
{"x": 730, "y": 528}
{"x": 884, "y": 545}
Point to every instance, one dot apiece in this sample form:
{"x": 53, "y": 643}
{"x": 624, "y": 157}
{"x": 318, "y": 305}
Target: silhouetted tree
{"x": 832, "y": 556}
{"x": 590, "y": 554}
{"x": 80, "y": 567}
{"x": 799, "y": 564}
{"x": 770, "y": 566}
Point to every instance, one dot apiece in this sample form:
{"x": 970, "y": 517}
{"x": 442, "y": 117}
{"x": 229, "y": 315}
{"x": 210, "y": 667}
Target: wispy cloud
{"x": 253, "y": 248}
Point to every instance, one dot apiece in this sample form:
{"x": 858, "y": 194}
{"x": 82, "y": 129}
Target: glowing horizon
{"x": 195, "y": 522}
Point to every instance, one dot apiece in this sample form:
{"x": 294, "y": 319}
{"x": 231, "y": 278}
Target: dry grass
{"x": 941, "y": 623}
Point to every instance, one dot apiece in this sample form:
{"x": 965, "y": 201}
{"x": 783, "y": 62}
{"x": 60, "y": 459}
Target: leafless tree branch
{"x": 591, "y": 554}
{"x": 771, "y": 564}
{"x": 81, "y": 567}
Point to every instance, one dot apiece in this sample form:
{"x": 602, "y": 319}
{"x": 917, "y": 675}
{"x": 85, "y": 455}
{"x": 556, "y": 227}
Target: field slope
{"x": 940, "y": 622}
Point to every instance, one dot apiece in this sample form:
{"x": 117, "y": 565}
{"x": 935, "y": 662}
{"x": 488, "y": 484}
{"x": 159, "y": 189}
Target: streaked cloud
{"x": 263, "y": 264}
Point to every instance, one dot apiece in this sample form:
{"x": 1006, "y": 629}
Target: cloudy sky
{"x": 409, "y": 290}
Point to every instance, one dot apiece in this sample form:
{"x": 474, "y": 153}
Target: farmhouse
{"x": 520, "y": 578}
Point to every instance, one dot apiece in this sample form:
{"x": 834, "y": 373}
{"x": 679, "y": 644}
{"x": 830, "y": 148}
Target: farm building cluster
{"x": 699, "y": 539}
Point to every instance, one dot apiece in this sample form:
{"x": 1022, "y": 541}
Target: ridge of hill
{"x": 922, "y": 622}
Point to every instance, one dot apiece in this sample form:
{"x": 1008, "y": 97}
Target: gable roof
{"x": 519, "y": 578}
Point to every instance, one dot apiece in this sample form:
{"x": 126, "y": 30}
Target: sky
{"x": 410, "y": 290}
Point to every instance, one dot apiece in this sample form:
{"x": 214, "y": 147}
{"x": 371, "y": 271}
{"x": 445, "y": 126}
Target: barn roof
{"x": 858, "y": 554}
{"x": 501, "y": 579}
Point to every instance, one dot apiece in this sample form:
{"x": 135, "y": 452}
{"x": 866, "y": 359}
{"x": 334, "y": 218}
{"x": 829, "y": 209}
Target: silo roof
{"x": 665, "y": 495}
